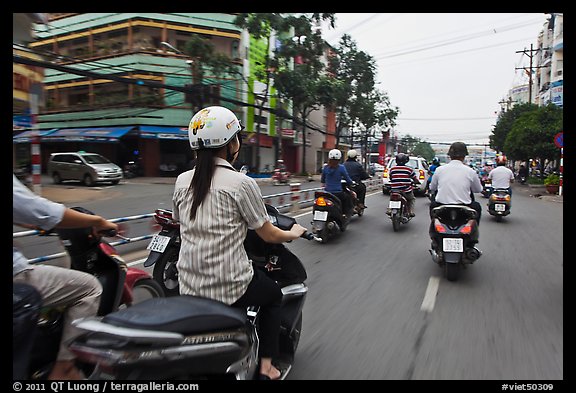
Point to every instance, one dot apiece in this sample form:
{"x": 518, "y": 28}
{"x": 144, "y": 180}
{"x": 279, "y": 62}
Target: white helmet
{"x": 352, "y": 153}
{"x": 212, "y": 127}
{"x": 334, "y": 154}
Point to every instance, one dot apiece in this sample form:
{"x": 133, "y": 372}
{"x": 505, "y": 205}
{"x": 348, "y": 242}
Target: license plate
{"x": 320, "y": 215}
{"x": 395, "y": 204}
{"x": 158, "y": 243}
{"x": 452, "y": 245}
{"x": 500, "y": 207}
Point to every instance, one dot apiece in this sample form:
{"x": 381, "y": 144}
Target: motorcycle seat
{"x": 454, "y": 212}
{"x": 184, "y": 314}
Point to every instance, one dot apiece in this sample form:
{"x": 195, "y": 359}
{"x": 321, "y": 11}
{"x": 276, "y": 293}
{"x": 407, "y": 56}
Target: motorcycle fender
{"x": 452, "y": 257}
{"x": 152, "y": 258}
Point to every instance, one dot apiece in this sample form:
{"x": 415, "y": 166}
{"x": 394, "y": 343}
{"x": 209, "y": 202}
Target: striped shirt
{"x": 401, "y": 178}
{"x": 212, "y": 261}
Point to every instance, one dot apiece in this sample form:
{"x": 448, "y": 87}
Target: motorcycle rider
{"x": 501, "y": 176}
{"x": 432, "y": 169}
{"x": 402, "y": 177}
{"x": 77, "y": 292}
{"x": 331, "y": 180}
{"x": 523, "y": 173}
{"x": 357, "y": 174}
{"x": 456, "y": 182}
{"x": 216, "y": 205}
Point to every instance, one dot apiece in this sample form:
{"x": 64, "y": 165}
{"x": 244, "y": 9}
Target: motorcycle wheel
{"x": 396, "y": 222}
{"x": 146, "y": 289}
{"x": 498, "y": 218}
{"x": 452, "y": 271}
{"x": 165, "y": 272}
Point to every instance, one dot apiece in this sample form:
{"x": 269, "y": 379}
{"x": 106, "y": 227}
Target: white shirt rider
{"x": 448, "y": 180}
{"x": 501, "y": 177}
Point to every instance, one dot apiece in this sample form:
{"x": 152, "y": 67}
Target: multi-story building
{"x": 548, "y": 73}
{"x": 126, "y": 117}
{"x": 122, "y": 85}
{"x": 26, "y": 81}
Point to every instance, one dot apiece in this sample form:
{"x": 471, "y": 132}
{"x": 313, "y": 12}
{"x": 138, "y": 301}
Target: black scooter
{"x": 188, "y": 337}
{"x": 454, "y": 234}
{"x": 328, "y": 219}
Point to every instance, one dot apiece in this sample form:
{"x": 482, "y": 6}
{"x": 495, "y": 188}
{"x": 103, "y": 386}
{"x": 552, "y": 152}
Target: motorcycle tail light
{"x": 385, "y": 173}
{"x": 321, "y": 201}
{"x": 466, "y": 229}
{"x": 438, "y": 227}
{"x": 395, "y": 196}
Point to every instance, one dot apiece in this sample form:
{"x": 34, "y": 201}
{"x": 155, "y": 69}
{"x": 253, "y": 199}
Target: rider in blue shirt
{"x": 331, "y": 179}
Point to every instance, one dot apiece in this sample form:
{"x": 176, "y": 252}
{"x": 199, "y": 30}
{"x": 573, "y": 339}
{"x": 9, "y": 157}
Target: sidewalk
{"x": 537, "y": 191}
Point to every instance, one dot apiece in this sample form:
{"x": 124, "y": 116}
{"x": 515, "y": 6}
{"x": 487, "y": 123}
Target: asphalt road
{"x": 380, "y": 309}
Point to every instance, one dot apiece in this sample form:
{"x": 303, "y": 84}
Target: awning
{"x": 92, "y": 134}
{"x": 159, "y": 132}
{"x": 27, "y": 136}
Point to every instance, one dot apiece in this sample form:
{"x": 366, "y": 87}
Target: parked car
{"x": 421, "y": 167}
{"x": 90, "y": 168}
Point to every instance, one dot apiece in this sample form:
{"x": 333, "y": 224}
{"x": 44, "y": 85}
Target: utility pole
{"x": 528, "y": 70}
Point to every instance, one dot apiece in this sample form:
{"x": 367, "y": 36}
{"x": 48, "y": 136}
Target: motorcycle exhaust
{"x": 435, "y": 256}
{"x": 473, "y": 254}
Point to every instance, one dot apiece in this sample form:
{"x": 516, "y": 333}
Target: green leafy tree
{"x": 504, "y": 124}
{"x": 301, "y": 75}
{"x": 425, "y": 150}
{"x": 532, "y": 134}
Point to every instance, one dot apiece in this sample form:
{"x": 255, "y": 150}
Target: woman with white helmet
{"x": 216, "y": 205}
{"x": 331, "y": 179}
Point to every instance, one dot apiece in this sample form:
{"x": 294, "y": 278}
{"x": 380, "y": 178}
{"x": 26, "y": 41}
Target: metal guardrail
{"x": 292, "y": 200}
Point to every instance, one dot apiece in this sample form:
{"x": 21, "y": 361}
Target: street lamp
{"x": 190, "y": 62}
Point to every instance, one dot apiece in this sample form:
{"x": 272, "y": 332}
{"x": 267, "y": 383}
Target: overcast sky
{"x": 446, "y": 72}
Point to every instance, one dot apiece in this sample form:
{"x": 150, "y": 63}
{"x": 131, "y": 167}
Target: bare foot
{"x": 267, "y": 369}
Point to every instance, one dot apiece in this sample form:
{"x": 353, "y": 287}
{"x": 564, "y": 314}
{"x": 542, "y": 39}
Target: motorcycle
{"x": 398, "y": 210}
{"x": 328, "y": 218}
{"x": 189, "y": 337}
{"x": 122, "y": 287}
{"x": 454, "y": 234}
{"x": 486, "y": 187}
{"x": 499, "y": 203}
{"x": 132, "y": 169}
{"x": 164, "y": 249}
{"x": 280, "y": 176}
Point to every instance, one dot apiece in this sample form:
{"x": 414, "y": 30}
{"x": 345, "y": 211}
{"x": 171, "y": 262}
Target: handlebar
{"x": 307, "y": 236}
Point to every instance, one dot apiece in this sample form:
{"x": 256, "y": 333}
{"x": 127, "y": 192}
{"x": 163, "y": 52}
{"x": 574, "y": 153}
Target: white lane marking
{"x": 430, "y": 295}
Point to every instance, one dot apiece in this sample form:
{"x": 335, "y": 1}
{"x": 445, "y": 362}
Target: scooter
{"x": 398, "y": 210}
{"x": 164, "y": 249}
{"x": 122, "y": 287}
{"x": 486, "y": 187}
{"x": 280, "y": 176}
{"x": 188, "y": 337}
{"x": 454, "y": 234}
{"x": 499, "y": 203}
{"x": 328, "y": 218}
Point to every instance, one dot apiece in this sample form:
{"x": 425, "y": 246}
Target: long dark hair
{"x": 203, "y": 173}
{"x": 202, "y": 179}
